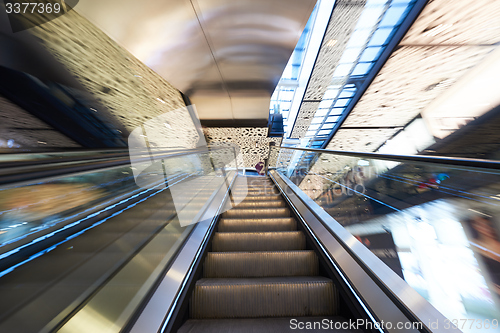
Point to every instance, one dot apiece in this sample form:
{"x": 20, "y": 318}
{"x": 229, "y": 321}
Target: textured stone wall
{"x": 129, "y": 89}
{"x": 252, "y": 142}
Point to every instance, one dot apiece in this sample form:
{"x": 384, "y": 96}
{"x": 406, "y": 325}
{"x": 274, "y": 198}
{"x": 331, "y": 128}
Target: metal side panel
{"x": 383, "y": 294}
{"x": 158, "y": 311}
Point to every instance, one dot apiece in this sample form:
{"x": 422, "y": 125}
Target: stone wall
{"x": 131, "y": 91}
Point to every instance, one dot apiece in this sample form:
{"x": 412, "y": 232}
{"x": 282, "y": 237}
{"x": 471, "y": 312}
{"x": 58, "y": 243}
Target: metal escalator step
{"x": 255, "y": 187}
{"x": 258, "y": 241}
{"x": 261, "y": 204}
{"x": 253, "y": 213}
{"x": 263, "y": 297}
{"x": 255, "y": 193}
{"x": 258, "y": 197}
{"x": 260, "y": 264}
{"x": 268, "y": 325}
{"x": 252, "y": 225}
{"x": 254, "y": 182}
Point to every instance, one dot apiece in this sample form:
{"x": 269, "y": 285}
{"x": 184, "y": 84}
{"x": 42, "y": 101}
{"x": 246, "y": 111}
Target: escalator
{"x": 259, "y": 275}
{"x": 206, "y": 249}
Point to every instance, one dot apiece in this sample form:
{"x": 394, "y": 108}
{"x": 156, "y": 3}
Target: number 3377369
{"x": 32, "y": 8}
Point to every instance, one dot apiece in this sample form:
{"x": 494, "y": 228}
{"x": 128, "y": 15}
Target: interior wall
{"x": 131, "y": 91}
{"x": 252, "y": 142}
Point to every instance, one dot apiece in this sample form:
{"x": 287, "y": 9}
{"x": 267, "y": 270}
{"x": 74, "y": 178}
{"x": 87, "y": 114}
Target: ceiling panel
{"x": 342, "y": 23}
{"x": 398, "y": 94}
{"x": 360, "y": 139}
{"x": 457, "y": 22}
{"x": 444, "y": 46}
{"x": 212, "y": 50}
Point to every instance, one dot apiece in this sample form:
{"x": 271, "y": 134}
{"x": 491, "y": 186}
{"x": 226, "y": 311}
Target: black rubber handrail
{"x": 464, "y": 162}
{"x": 14, "y": 172}
{"x": 61, "y": 156}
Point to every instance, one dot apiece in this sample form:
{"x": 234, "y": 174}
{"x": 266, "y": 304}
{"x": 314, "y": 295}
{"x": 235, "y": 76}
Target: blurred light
{"x": 41, "y": 142}
{"x": 331, "y": 42}
{"x": 159, "y": 99}
{"x": 476, "y": 211}
{"x": 437, "y": 30}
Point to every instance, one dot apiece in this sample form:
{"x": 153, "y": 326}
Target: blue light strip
{"x": 7, "y": 254}
{"x": 48, "y": 225}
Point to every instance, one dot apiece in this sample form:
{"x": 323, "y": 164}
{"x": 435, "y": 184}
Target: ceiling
{"x": 442, "y": 49}
{"x": 227, "y": 56}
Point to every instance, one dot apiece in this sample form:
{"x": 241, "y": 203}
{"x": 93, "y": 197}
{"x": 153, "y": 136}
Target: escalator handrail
{"x": 78, "y": 155}
{"x": 464, "y": 162}
{"x": 22, "y": 172}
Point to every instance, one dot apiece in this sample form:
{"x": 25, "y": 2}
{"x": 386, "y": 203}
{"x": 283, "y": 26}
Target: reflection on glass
{"x": 370, "y": 54}
{"x": 133, "y": 235}
{"x": 436, "y": 226}
{"x": 380, "y": 37}
{"x": 394, "y": 16}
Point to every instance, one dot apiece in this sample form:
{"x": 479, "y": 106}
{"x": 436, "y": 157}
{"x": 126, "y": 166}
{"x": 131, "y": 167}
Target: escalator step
{"x": 258, "y": 197}
{"x": 260, "y": 264}
{"x": 266, "y": 224}
{"x": 255, "y": 193}
{"x": 253, "y": 213}
{"x": 267, "y": 325}
{"x": 261, "y": 204}
{"x": 263, "y": 297}
{"x": 258, "y": 241}
{"x": 251, "y": 197}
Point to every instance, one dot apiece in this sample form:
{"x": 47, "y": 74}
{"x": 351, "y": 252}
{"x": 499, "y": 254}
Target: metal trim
{"x": 158, "y": 311}
{"x": 368, "y": 274}
{"x": 464, "y": 162}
